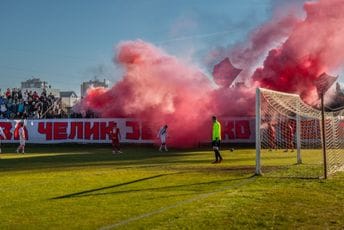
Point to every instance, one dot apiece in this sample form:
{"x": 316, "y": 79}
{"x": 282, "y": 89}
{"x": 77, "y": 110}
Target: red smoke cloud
{"x": 314, "y": 46}
{"x": 160, "y": 89}
{"x": 248, "y": 54}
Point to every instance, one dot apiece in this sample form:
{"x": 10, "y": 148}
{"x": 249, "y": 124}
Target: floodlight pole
{"x": 323, "y": 134}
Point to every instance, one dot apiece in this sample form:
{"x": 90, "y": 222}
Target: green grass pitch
{"x": 87, "y": 187}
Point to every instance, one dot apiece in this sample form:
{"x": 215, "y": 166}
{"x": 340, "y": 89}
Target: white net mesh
{"x": 335, "y": 142}
{"x": 290, "y": 133}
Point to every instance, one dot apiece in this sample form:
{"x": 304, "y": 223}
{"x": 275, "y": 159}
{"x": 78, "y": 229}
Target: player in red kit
{"x": 289, "y": 136}
{"x": 115, "y": 136}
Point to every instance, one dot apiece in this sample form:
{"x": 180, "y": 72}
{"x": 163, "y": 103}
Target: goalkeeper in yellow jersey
{"x": 216, "y": 140}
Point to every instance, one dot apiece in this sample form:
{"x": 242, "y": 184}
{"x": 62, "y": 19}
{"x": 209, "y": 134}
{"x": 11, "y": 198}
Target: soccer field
{"x": 86, "y": 187}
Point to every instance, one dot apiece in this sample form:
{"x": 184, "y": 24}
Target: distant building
{"x": 93, "y": 83}
{"x": 68, "y": 99}
{"x": 35, "y": 84}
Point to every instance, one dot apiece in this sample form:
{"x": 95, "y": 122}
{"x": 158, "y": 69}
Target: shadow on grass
{"x": 60, "y": 157}
{"x": 137, "y": 157}
{"x": 92, "y": 156}
{"x": 87, "y": 192}
{"x": 78, "y": 161}
{"x": 111, "y": 186}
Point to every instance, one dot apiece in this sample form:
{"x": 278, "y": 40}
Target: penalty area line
{"x": 180, "y": 203}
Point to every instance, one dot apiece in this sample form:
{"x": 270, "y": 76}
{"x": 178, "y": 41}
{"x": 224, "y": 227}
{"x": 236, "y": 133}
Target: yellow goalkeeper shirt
{"x": 216, "y": 131}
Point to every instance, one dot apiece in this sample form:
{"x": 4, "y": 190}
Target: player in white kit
{"x": 22, "y": 138}
{"x": 2, "y": 136}
{"x": 162, "y": 134}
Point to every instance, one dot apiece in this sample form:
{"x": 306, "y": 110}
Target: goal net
{"x": 289, "y": 137}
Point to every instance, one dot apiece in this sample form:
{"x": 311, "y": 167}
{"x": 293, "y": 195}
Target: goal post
{"x": 289, "y": 130}
{"x": 258, "y": 124}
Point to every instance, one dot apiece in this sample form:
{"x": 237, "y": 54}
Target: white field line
{"x": 180, "y": 203}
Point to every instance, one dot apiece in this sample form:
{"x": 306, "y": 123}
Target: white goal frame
{"x": 332, "y": 129}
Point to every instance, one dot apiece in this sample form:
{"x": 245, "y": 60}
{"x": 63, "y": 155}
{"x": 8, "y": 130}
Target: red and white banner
{"x": 234, "y": 130}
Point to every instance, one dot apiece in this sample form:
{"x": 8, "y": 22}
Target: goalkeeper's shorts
{"x": 216, "y": 144}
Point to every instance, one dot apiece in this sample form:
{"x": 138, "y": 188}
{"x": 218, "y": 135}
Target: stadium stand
{"x": 15, "y": 104}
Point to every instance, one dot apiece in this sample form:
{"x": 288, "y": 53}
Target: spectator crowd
{"x": 18, "y": 104}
